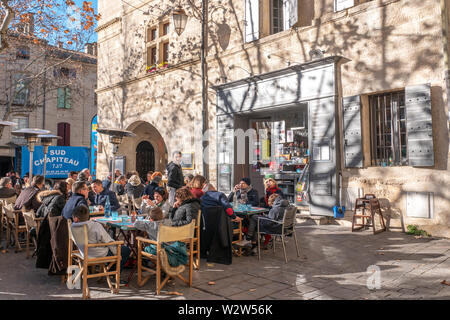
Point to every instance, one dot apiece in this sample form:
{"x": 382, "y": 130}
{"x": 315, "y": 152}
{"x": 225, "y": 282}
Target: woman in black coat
{"x": 53, "y": 202}
{"x": 185, "y": 209}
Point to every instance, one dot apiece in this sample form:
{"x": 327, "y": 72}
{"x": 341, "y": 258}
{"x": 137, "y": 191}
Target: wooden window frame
{"x": 161, "y": 39}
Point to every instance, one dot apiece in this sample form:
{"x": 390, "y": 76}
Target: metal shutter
{"x": 353, "y": 154}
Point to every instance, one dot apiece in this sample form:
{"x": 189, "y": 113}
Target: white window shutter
{"x": 251, "y": 20}
{"x": 290, "y": 13}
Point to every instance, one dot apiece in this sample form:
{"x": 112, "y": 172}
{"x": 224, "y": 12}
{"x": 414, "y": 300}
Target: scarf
{"x": 243, "y": 195}
{"x": 269, "y": 192}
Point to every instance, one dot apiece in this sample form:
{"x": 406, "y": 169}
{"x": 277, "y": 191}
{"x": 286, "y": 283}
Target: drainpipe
{"x": 204, "y": 87}
{"x": 444, "y": 18}
{"x": 45, "y": 90}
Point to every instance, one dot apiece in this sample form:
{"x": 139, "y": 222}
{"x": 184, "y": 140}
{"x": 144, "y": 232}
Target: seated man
{"x": 98, "y": 234}
{"x": 152, "y": 226}
{"x": 7, "y": 191}
{"x": 119, "y": 185}
{"x": 213, "y": 198}
{"x": 245, "y": 193}
{"x": 100, "y": 196}
{"x": 79, "y": 197}
{"x": 278, "y": 207}
{"x": 28, "y": 197}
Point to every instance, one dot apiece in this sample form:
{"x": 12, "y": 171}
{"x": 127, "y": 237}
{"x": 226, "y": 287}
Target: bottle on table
{"x": 133, "y": 216}
{"x": 107, "y": 208}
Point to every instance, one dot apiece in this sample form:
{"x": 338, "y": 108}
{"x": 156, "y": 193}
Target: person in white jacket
{"x": 97, "y": 234}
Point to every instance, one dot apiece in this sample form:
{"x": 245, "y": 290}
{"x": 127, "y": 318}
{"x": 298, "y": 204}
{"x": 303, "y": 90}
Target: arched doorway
{"x": 145, "y": 158}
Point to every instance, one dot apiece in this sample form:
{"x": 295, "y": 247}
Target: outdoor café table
{"x": 128, "y": 231}
{"x": 248, "y": 212}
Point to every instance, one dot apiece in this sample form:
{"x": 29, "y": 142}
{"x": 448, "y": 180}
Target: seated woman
{"x": 197, "y": 185}
{"x": 160, "y": 196}
{"x": 185, "y": 208}
{"x": 155, "y": 183}
{"x": 271, "y": 188}
{"x": 134, "y": 188}
{"x": 279, "y": 205}
{"x": 245, "y": 193}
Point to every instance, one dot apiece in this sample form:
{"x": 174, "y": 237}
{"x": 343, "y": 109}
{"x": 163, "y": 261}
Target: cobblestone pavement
{"x": 333, "y": 264}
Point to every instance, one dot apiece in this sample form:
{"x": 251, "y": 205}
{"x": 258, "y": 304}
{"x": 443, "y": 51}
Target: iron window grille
{"x": 388, "y": 129}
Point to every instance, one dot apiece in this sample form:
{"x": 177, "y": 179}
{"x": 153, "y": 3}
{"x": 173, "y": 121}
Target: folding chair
{"x": 30, "y": 223}
{"x": 166, "y": 234}
{"x": 78, "y": 235}
{"x": 12, "y": 221}
{"x": 196, "y": 246}
{"x": 237, "y": 231}
{"x": 287, "y": 226}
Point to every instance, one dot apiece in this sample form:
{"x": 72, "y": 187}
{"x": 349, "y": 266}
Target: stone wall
{"x": 387, "y": 45}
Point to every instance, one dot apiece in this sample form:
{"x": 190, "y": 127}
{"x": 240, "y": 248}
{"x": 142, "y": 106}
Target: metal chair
{"x": 166, "y": 234}
{"x": 287, "y": 226}
{"x": 78, "y": 235}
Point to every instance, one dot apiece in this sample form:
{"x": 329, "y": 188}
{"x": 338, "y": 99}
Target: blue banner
{"x": 94, "y": 145}
{"x": 60, "y": 160}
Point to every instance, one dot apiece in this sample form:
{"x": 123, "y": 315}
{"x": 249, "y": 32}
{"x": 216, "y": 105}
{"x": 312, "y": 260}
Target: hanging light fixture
{"x": 179, "y": 18}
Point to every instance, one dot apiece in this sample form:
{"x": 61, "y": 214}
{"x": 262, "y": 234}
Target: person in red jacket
{"x": 271, "y": 188}
{"x": 197, "y": 184}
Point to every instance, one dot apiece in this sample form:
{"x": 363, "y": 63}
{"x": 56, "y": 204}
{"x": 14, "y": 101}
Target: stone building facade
{"x": 357, "y": 66}
{"x": 50, "y": 87}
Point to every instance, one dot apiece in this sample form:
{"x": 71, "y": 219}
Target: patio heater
{"x": 115, "y": 138}
{"x": 46, "y": 141}
{"x": 32, "y": 138}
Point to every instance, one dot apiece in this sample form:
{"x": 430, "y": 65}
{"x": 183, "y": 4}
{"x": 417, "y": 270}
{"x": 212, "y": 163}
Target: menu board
{"x": 187, "y": 161}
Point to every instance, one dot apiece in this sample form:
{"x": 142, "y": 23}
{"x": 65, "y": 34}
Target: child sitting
{"x": 279, "y": 205}
{"x": 152, "y": 226}
{"x": 97, "y": 234}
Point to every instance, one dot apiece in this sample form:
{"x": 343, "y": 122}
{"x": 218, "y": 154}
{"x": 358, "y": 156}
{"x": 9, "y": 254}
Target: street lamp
{"x": 32, "y": 138}
{"x": 46, "y": 141}
{"x": 115, "y": 138}
{"x": 179, "y": 18}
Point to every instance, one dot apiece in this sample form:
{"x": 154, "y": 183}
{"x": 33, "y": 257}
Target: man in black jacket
{"x": 245, "y": 193}
{"x": 175, "y": 178}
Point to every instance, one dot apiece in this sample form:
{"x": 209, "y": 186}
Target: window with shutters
{"x": 23, "y": 53}
{"x": 276, "y": 21}
{"x": 64, "y": 98}
{"x": 64, "y": 133}
{"x": 21, "y": 89}
{"x": 21, "y": 122}
{"x": 340, "y": 5}
{"x": 388, "y": 129}
{"x": 266, "y": 17}
{"x": 157, "y": 44}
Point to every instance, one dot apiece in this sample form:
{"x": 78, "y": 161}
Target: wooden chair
{"x": 13, "y": 226}
{"x": 196, "y": 246}
{"x": 287, "y": 229}
{"x": 78, "y": 235}
{"x": 237, "y": 231}
{"x": 369, "y": 203}
{"x": 166, "y": 234}
{"x": 30, "y": 223}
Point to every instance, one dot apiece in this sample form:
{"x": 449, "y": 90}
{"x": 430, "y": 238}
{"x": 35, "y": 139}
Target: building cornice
{"x": 108, "y": 24}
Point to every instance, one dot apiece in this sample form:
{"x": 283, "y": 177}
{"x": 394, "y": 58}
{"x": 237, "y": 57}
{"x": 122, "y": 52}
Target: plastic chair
{"x": 287, "y": 229}
{"x": 78, "y": 235}
{"x": 166, "y": 234}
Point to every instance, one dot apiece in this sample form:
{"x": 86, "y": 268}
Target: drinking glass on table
{"x": 115, "y": 215}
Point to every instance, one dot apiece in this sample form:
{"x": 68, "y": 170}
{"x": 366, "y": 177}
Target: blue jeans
{"x": 124, "y": 252}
